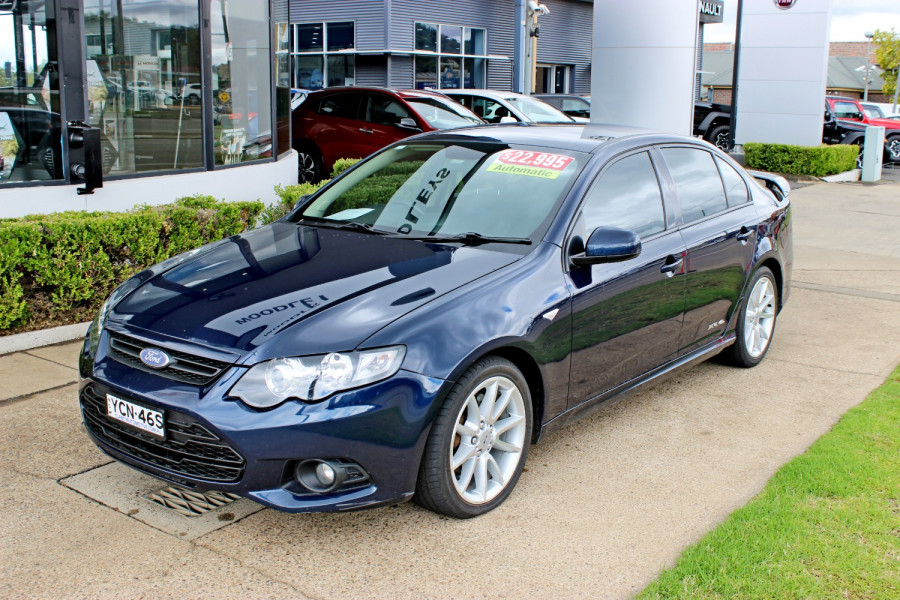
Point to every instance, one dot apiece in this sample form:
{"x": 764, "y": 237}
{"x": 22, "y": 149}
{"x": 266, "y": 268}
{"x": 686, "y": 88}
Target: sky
{"x": 850, "y": 20}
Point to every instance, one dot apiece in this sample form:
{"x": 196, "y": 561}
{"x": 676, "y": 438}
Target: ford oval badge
{"x": 154, "y": 358}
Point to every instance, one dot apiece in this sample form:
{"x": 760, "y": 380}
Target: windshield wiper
{"x": 471, "y": 238}
{"x": 351, "y": 225}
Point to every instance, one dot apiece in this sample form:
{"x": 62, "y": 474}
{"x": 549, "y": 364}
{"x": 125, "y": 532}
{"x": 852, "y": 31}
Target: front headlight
{"x": 312, "y": 378}
{"x": 100, "y": 319}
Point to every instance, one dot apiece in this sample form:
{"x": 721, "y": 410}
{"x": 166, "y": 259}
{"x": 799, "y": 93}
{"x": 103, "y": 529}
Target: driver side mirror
{"x": 609, "y": 244}
{"x": 300, "y": 200}
{"x": 408, "y": 123}
{"x": 508, "y": 119}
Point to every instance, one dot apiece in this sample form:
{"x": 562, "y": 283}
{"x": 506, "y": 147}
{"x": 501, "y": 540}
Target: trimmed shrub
{"x": 342, "y": 164}
{"x": 801, "y": 160}
{"x": 287, "y": 198}
{"x": 60, "y": 267}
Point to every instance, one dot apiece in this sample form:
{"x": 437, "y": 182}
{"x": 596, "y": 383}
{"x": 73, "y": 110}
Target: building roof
{"x": 844, "y": 72}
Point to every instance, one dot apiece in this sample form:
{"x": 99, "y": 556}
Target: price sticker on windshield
{"x": 531, "y": 164}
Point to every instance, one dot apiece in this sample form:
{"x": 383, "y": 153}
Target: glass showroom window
{"x": 242, "y": 95}
{"x": 322, "y": 54}
{"x": 459, "y": 59}
{"x": 29, "y": 95}
{"x": 143, "y": 76}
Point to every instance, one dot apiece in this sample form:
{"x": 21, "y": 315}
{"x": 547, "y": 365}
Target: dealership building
{"x": 106, "y": 104}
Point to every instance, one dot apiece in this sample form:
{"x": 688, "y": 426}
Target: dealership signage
{"x": 785, "y": 4}
{"x": 712, "y": 11}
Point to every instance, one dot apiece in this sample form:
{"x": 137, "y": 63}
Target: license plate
{"x": 143, "y": 418}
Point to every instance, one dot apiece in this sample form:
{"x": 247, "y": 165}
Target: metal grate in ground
{"x": 188, "y": 503}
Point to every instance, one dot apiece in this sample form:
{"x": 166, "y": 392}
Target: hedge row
{"x": 801, "y": 160}
{"x": 58, "y": 268}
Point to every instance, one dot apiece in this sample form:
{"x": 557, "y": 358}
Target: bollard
{"x": 873, "y": 154}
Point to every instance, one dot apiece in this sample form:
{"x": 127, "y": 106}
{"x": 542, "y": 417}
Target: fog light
{"x": 321, "y": 476}
{"x": 325, "y": 474}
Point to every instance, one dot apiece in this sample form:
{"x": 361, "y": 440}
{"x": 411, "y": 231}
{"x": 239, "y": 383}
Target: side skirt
{"x": 621, "y": 392}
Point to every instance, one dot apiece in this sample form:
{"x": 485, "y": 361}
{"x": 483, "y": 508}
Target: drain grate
{"x": 188, "y": 503}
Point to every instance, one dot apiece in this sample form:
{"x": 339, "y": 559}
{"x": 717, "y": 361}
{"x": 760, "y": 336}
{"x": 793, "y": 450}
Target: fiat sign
{"x": 785, "y": 4}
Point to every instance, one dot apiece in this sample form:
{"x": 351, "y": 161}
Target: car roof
{"x": 581, "y": 138}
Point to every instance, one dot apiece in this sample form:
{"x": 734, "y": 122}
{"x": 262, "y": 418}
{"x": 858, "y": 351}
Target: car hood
{"x": 290, "y": 290}
{"x": 886, "y": 123}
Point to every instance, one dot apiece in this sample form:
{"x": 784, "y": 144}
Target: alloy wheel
{"x": 488, "y": 440}
{"x": 759, "y": 317}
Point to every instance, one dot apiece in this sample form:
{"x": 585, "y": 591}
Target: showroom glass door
{"x": 143, "y": 68}
{"x": 30, "y": 121}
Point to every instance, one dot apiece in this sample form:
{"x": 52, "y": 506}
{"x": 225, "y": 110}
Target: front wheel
{"x": 756, "y": 323}
{"x": 479, "y": 442}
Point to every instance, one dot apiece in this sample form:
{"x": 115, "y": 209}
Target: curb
{"x": 846, "y": 176}
{"x": 45, "y": 337}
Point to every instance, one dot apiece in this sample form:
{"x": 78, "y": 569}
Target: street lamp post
{"x": 869, "y": 36}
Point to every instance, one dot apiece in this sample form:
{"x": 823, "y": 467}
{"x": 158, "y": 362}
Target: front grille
{"x": 190, "y": 449}
{"x": 186, "y": 368}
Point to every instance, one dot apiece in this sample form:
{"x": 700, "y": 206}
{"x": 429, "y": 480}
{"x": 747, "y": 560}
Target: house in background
{"x": 846, "y": 73}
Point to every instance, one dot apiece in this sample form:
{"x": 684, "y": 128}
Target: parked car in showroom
{"x": 571, "y": 104}
{"x": 509, "y": 107}
{"x": 411, "y": 328}
{"x": 353, "y": 122}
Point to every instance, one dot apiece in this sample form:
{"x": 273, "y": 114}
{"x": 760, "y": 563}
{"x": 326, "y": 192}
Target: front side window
{"x": 458, "y": 60}
{"x": 384, "y": 110}
{"x": 323, "y": 54}
{"x": 436, "y": 190}
{"x": 697, "y": 181}
{"x": 627, "y": 196}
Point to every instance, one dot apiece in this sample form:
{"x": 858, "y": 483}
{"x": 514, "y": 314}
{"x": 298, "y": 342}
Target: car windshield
{"x": 447, "y": 189}
{"x": 443, "y": 114}
{"x": 537, "y": 111}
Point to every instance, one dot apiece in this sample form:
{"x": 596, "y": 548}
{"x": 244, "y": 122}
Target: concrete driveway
{"x": 602, "y": 507}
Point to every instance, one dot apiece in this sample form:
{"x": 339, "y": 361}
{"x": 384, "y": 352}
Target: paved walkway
{"x": 603, "y": 506}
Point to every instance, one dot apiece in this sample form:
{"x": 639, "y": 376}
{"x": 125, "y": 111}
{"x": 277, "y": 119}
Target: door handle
{"x": 672, "y": 264}
{"x": 364, "y": 130}
{"x": 744, "y": 235}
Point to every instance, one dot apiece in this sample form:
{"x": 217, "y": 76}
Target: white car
{"x": 508, "y": 107}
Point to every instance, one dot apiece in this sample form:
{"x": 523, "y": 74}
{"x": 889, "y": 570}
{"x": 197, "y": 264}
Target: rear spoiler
{"x": 776, "y": 184}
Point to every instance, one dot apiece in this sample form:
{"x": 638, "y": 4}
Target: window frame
{"x": 324, "y": 53}
{"x": 439, "y": 55}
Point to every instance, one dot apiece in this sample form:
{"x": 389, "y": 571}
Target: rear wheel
{"x": 720, "y": 137}
{"x": 479, "y": 442}
{"x": 892, "y": 147}
{"x": 309, "y": 165}
{"x": 756, "y": 322}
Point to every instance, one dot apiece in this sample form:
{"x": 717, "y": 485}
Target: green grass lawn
{"x": 827, "y": 525}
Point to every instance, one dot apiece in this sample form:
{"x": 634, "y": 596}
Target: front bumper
{"x": 217, "y": 444}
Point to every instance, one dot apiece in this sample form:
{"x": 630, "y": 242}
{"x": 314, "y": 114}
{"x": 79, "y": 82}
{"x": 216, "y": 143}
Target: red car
{"x": 849, "y": 109}
{"x": 353, "y": 122}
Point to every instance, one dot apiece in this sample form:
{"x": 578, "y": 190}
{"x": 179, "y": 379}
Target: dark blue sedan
{"x": 413, "y": 327}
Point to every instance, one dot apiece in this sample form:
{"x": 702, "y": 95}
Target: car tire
{"x": 193, "y": 100}
{"x": 892, "y": 148}
{"x": 309, "y": 164}
{"x": 720, "y": 137}
{"x": 860, "y": 143}
{"x": 475, "y": 452}
{"x": 756, "y": 321}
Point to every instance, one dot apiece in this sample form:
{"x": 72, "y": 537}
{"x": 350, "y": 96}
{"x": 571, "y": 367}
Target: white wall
{"x": 644, "y": 54}
{"x": 783, "y": 72}
{"x": 252, "y": 182}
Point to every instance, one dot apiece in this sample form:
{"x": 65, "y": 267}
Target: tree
{"x": 887, "y": 56}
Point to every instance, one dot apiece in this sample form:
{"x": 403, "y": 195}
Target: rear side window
{"x": 340, "y": 105}
{"x": 627, "y": 195}
{"x": 735, "y": 188}
{"x": 697, "y": 181}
